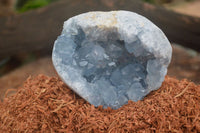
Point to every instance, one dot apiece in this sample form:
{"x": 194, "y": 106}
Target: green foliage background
{"x": 149, "y": 1}
{"x": 32, "y": 4}
{"x": 25, "y": 5}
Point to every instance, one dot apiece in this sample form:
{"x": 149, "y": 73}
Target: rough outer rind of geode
{"x": 109, "y": 58}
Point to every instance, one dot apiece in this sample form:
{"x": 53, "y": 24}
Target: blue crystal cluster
{"x": 109, "y": 58}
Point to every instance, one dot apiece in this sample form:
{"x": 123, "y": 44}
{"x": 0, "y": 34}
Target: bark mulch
{"x": 46, "y": 104}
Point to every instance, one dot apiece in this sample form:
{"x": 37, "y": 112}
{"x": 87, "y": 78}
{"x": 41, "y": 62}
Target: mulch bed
{"x": 46, "y": 104}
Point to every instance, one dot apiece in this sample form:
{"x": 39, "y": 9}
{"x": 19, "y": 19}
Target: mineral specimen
{"x": 109, "y": 58}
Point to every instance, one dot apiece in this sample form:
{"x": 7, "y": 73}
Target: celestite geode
{"x": 109, "y": 58}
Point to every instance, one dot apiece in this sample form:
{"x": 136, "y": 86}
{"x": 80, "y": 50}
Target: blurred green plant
{"x": 159, "y": 1}
{"x": 149, "y": 1}
{"x": 26, "y": 5}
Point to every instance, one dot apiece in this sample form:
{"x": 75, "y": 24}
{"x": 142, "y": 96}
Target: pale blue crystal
{"x": 109, "y": 58}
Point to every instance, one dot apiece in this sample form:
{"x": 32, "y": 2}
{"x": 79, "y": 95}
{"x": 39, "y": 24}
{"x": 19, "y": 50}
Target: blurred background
{"x": 28, "y": 29}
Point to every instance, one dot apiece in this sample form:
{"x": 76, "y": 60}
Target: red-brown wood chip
{"x": 46, "y": 104}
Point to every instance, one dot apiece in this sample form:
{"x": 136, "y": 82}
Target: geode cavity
{"x": 109, "y": 58}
